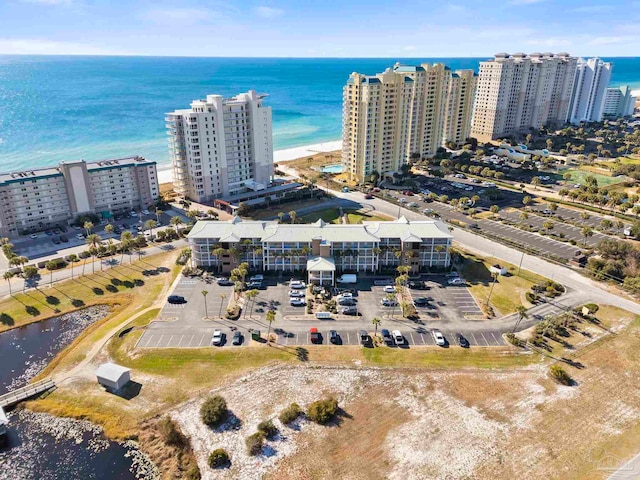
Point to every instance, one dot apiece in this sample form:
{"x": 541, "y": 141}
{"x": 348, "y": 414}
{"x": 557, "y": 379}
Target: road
{"x": 628, "y": 471}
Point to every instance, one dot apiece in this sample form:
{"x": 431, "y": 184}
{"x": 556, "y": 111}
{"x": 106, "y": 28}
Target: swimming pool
{"x": 332, "y": 169}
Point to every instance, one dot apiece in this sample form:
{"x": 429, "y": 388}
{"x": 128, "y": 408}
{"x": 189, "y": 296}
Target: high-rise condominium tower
{"x": 221, "y": 146}
{"x": 618, "y": 102}
{"x": 462, "y": 93}
{"x": 589, "y": 90}
{"x": 518, "y": 92}
{"x": 393, "y": 116}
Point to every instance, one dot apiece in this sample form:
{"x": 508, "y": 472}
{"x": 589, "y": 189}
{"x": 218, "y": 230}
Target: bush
{"x": 593, "y": 308}
{"x": 218, "y": 458}
{"x": 254, "y": 443}
{"x": 213, "y": 411}
{"x": 322, "y": 411}
{"x": 268, "y": 428}
{"x": 290, "y": 414}
{"x": 171, "y": 433}
{"x": 560, "y": 375}
{"x": 233, "y": 312}
{"x": 531, "y": 297}
{"x": 513, "y": 340}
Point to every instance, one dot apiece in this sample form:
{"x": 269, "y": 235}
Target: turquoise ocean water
{"x": 70, "y": 107}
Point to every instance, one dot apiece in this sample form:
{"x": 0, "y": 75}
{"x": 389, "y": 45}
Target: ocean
{"x": 55, "y": 108}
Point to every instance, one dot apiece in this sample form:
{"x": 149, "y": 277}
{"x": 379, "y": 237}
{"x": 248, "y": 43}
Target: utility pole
{"x": 495, "y": 279}
{"x": 520, "y": 265}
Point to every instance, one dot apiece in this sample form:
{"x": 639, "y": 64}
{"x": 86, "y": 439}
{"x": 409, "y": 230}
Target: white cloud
{"x": 607, "y": 40}
{"x": 268, "y": 12}
{"x": 49, "y": 2}
{"x": 28, "y": 46}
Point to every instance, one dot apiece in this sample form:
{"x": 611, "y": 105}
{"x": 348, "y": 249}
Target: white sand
{"x": 165, "y": 173}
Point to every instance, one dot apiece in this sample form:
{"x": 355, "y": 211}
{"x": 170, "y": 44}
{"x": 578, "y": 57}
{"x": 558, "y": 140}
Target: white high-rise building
{"x": 221, "y": 146}
{"x": 462, "y": 94}
{"x": 518, "y": 92}
{"x": 618, "y": 102}
{"x": 589, "y": 90}
{"x": 400, "y": 114}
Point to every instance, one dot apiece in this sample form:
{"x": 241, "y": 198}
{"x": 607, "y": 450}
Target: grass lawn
{"x": 578, "y": 176}
{"x": 508, "y": 292}
{"x": 273, "y": 211}
{"x": 332, "y": 215}
{"x": 93, "y": 289}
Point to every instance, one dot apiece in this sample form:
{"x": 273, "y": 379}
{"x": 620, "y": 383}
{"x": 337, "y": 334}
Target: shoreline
{"x": 165, "y": 172}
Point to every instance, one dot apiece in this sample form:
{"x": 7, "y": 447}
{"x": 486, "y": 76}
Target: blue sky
{"x": 319, "y": 28}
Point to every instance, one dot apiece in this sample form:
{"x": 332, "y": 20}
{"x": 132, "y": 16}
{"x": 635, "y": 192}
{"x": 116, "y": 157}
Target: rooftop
{"x": 111, "y": 371}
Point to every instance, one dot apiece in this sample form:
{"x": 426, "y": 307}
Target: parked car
{"x": 398, "y": 339}
{"x": 388, "y": 303}
{"x": 314, "y": 335}
{"x": 474, "y": 225}
{"x": 297, "y": 284}
{"x": 403, "y": 200}
{"x": 386, "y": 336}
{"x": 145, "y": 212}
{"x": 418, "y": 285}
{"x": 256, "y": 278}
{"x": 364, "y": 337}
{"x": 427, "y": 211}
{"x": 64, "y": 238}
{"x": 438, "y": 338}
{"x": 412, "y": 204}
{"x": 389, "y": 289}
{"x": 56, "y": 240}
{"x": 255, "y": 284}
{"x": 455, "y": 281}
{"x": 453, "y": 274}
{"x": 237, "y": 338}
{"x": 345, "y": 294}
{"x": 217, "y": 338}
{"x": 463, "y": 342}
{"x": 80, "y": 236}
{"x": 176, "y": 299}
{"x": 368, "y": 196}
{"x": 334, "y": 337}
{"x": 33, "y": 235}
{"x": 346, "y": 302}
{"x": 297, "y": 302}
{"x": 224, "y": 282}
{"x": 421, "y": 302}
{"x": 296, "y": 293}
{"x": 349, "y": 310}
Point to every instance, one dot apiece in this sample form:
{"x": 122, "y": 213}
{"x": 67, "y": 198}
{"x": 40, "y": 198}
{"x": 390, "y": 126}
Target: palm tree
{"x": 223, "y": 296}
{"x": 250, "y": 295}
{"x": 51, "y": 266}
{"x": 93, "y": 241}
{"x": 8, "y": 276}
{"x": 475, "y": 199}
{"x": 521, "y": 310}
{"x": 526, "y": 200}
{"x": 88, "y": 226}
{"x": 523, "y": 216}
{"x": 126, "y": 238}
{"x": 176, "y": 221}
{"x": 547, "y": 226}
{"x": 584, "y": 216}
{"x": 109, "y": 230}
{"x": 376, "y": 321}
{"x": 72, "y": 258}
{"x": 204, "y": 295}
{"x": 292, "y": 216}
{"x": 494, "y": 209}
{"x": 270, "y": 318}
{"x": 280, "y": 216}
{"x": 586, "y": 232}
{"x": 158, "y": 213}
{"x": 392, "y": 298}
{"x": 150, "y": 225}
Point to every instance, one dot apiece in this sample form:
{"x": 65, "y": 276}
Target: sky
{"x": 319, "y": 28}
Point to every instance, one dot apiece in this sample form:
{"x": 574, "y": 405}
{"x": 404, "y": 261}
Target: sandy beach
{"x": 165, "y": 174}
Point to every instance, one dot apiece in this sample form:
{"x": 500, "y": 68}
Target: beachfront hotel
{"x": 459, "y": 112}
{"x": 391, "y": 117}
{"x": 36, "y": 200}
{"x": 221, "y": 147}
{"x": 518, "y": 92}
{"x": 320, "y": 248}
{"x": 618, "y": 102}
{"x": 589, "y": 90}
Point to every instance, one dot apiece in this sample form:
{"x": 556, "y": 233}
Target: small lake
{"x": 40, "y": 446}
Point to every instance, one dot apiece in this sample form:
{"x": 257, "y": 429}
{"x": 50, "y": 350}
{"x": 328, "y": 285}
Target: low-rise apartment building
{"x": 35, "y": 200}
{"x": 366, "y": 247}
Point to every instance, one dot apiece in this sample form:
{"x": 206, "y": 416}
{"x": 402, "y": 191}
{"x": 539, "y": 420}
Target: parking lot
{"x": 451, "y": 308}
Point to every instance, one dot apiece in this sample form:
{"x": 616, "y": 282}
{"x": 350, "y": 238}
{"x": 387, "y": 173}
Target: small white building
{"x": 498, "y": 269}
{"x": 113, "y": 376}
{"x": 4, "y": 421}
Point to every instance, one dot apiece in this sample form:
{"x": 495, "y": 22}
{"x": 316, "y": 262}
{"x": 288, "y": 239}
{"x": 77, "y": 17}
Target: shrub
{"x": 290, "y": 414}
{"x": 254, "y": 443}
{"x": 531, "y": 297}
{"x": 218, "y": 458}
{"x": 171, "y": 433}
{"x": 213, "y": 411}
{"x": 268, "y": 428}
{"x": 409, "y": 311}
{"x": 560, "y": 375}
{"x": 593, "y": 308}
{"x": 487, "y": 310}
{"x": 322, "y": 411}
{"x": 233, "y": 312}
{"x": 513, "y": 340}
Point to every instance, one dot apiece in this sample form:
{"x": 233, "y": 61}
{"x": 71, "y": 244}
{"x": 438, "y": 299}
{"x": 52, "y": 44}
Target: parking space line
{"x": 180, "y": 342}
{"x": 200, "y": 342}
{"x": 498, "y": 342}
{"x": 413, "y": 342}
{"x": 348, "y": 339}
{"x": 475, "y": 340}
{"x": 484, "y": 338}
{"x": 159, "y": 340}
{"x": 169, "y": 342}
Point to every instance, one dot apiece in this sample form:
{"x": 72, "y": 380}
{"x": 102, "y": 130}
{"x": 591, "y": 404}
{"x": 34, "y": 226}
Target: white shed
{"x": 113, "y": 376}
{"x": 498, "y": 269}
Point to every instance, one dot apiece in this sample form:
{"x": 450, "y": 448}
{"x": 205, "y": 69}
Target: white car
{"x": 389, "y": 289}
{"x": 427, "y": 211}
{"x": 345, "y": 295}
{"x": 296, "y": 293}
{"x": 297, "y": 302}
{"x": 455, "y": 281}
{"x": 145, "y": 212}
{"x": 403, "y": 200}
{"x": 33, "y": 235}
{"x": 217, "y": 338}
{"x": 80, "y": 236}
{"x": 398, "y": 339}
{"x": 297, "y": 284}
{"x": 438, "y": 338}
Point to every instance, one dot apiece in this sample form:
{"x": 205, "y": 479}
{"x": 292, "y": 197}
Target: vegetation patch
{"x": 323, "y": 411}
{"x": 213, "y": 411}
{"x": 254, "y": 443}
{"x": 218, "y": 458}
{"x": 290, "y": 414}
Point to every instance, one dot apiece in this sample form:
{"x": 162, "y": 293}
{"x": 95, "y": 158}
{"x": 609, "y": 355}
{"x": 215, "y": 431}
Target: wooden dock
{"x": 25, "y": 392}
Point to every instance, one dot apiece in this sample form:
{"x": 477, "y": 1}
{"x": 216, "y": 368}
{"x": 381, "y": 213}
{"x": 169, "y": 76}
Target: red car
{"x": 408, "y": 193}
{"x": 314, "y": 335}
{"x": 368, "y": 196}
{"x": 375, "y": 189}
